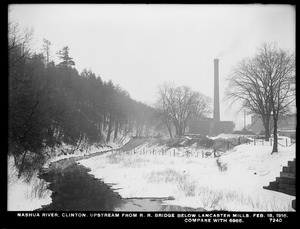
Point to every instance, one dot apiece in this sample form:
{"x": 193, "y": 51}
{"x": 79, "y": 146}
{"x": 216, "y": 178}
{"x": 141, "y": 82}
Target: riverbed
{"x": 74, "y": 189}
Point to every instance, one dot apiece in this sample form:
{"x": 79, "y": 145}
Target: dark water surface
{"x": 76, "y": 190}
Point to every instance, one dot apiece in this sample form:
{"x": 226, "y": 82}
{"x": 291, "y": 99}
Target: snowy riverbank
{"x": 29, "y": 195}
{"x": 25, "y": 195}
{"x": 199, "y": 182}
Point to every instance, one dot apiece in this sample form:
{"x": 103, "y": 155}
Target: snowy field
{"x": 25, "y": 195}
{"x": 233, "y": 182}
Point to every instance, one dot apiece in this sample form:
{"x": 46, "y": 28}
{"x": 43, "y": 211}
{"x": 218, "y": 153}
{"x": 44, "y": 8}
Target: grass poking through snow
{"x": 233, "y": 182}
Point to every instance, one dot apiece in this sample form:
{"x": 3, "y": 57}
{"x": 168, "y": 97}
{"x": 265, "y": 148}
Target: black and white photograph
{"x": 152, "y": 111}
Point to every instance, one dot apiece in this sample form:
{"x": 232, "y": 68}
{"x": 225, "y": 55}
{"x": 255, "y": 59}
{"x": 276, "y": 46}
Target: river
{"x": 74, "y": 189}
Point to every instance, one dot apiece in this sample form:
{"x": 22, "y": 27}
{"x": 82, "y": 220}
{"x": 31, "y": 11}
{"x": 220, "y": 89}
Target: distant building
{"x": 217, "y": 125}
{"x": 256, "y": 125}
{"x": 212, "y": 126}
{"x": 286, "y": 126}
{"x": 203, "y": 126}
{"x": 225, "y": 127}
{"x": 207, "y": 126}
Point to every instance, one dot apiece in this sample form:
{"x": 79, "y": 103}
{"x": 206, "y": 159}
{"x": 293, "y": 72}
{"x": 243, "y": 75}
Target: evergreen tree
{"x": 50, "y": 104}
{"x": 63, "y": 54}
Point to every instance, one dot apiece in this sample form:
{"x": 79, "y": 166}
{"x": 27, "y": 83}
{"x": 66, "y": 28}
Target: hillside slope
{"x": 232, "y": 182}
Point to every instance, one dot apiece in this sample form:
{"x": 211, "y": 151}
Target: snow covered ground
{"x": 27, "y": 196}
{"x": 191, "y": 181}
{"x": 89, "y": 150}
{"x": 22, "y": 195}
{"x": 233, "y": 182}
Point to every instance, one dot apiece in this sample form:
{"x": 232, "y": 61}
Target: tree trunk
{"x": 180, "y": 130}
{"x": 126, "y": 128}
{"x": 168, "y": 125}
{"x": 15, "y": 159}
{"x": 104, "y": 122}
{"x": 275, "y": 145}
{"x": 176, "y": 129}
{"x": 22, "y": 165}
{"x": 109, "y": 129}
{"x": 267, "y": 132}
{"x": 116, "y": 131}
{"x": 100, "y": 127}
{"x": 78, "y": 144}
{"x": 266, "y": 124}
{"x": 184, "y": 127}
{"x": 170, "y": 131}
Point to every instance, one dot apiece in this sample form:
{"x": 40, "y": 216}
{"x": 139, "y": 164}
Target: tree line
{"x": 52, "y": 103}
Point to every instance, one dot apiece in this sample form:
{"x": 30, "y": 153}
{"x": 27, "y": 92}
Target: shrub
{"x": 188, "y": 187}
{"x": 32, "y": 162}
{"x": 222, "y": 166}
{"x": 166, "y": 176}
{"x": 39, "y": 189}
{"x": 205, "y": 143}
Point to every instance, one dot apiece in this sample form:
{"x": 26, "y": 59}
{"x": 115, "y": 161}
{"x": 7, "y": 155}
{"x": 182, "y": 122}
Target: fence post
{"x": 262, "y": 141}
{"x": 174, "y": 152}
{"x": 254, "y": 140}
{"x": 239, "y": 140}
{"x": 286, "y": 142}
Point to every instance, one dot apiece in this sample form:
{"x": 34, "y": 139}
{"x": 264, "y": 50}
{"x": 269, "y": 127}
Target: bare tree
{"x": 179, "y": 105}
{"x": 247, "y": 84}
{"x": 265, "y": 84}
{"x": 19, "y": 43}
{"x": 46, "y": 49}
{"x": 280, "y": 81}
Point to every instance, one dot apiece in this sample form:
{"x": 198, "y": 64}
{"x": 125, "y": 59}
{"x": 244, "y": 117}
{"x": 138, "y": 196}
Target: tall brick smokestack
{"x": 216, "y": 92}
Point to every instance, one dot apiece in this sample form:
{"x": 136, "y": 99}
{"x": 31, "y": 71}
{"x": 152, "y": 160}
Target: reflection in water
{"x": 76, "y": 190}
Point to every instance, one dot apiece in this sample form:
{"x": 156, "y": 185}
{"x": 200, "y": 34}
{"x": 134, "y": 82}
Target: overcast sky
{"x": 142, "y": 46}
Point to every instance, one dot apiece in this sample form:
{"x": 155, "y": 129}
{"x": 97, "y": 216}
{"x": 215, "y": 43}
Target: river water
{"x": 76, "y": 190}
